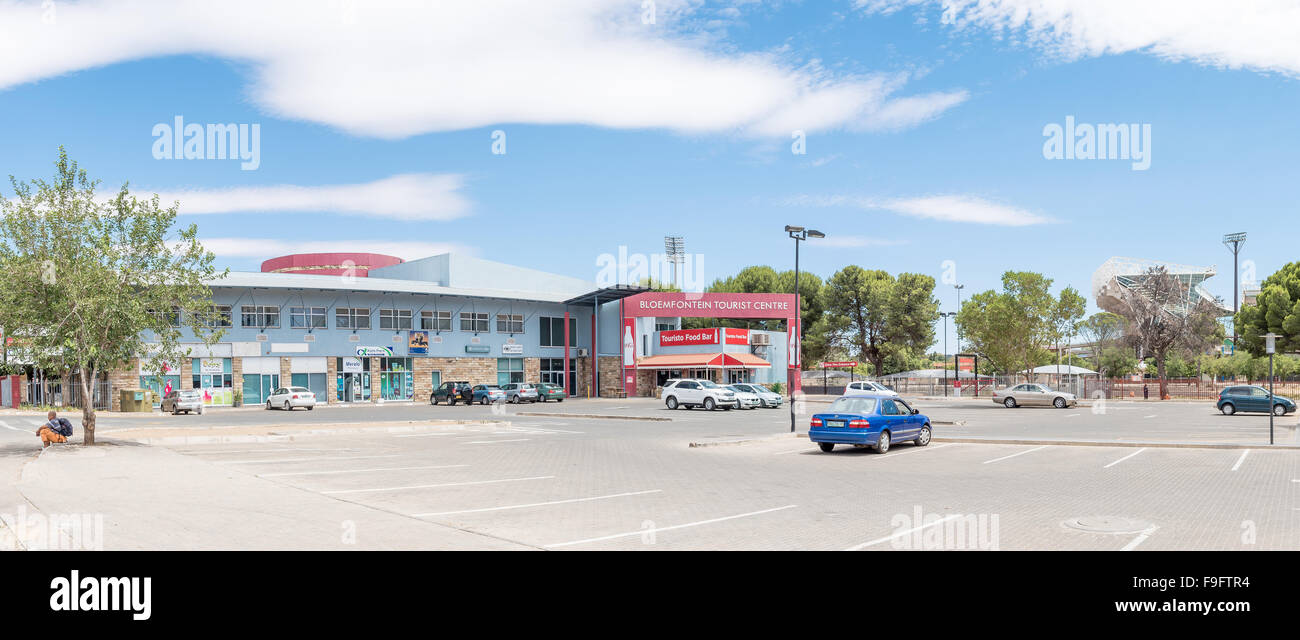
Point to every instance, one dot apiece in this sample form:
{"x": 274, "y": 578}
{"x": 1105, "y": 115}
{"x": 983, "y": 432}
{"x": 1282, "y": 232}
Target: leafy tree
{"x": 1116, "y": 361}
{"x": 1012, "y": 328}
{"x": 1158, "y": 327}
{"x": 765, "y": 279}
{"x": 1277, "y": 310}
{"x": 1103, "y": 330}
{"x": 885, "y": 320}
{"x": 1066, "y": 315}
{"x": 87, "y": 282}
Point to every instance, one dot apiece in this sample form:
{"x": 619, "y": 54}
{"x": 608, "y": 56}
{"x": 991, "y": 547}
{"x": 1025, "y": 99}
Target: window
{"x": 307, "y": 317}
{"x": 476, "y": 322}
{"x": 665, "y": 326}
{"x": 435, "y": 320}
{"x": 259, "y": 316}
{"x": 171, "y": 318}
{"x": 352, "y": 318}
{"x": 510, "y": 370}
{"x": 552, "y": 332}
{"x": 510, "y": 323}
{"x": 221, "y": 316}
{"x": 396, "y": 381}
{"x": 393, "y": 319}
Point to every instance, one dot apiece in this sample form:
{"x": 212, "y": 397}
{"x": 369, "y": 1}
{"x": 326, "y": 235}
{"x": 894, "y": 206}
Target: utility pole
{"x": 945, "y": 316}
{"x": 1233, "y": 242}
{"x": 798, "y": 234}
{"x": 958, "y": 287}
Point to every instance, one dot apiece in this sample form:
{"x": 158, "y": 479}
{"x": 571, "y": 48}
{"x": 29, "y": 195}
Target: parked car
{"x": 547, "y": 391}
{"x": 487, "y": 393}
{"x": 869, "y": 421}
{"x": 694, "y": 392}
{"x": 1033, "y": 395}
{"x": 517, "y": 392}
{"x": 745, "y": 399}
{"x": 289, "y": 398}
{"x": 452, "y": 392}
{"x": 868, "y": 387}
{"x": 189, "y": 401}
{"x": 767, "y": 397}
{"x": 1253, "y": 398}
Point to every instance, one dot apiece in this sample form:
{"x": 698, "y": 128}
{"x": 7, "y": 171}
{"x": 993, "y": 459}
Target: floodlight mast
{"x": 1233, "y": 242}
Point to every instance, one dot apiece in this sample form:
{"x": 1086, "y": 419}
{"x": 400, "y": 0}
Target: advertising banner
{"x": 417, "y": 343}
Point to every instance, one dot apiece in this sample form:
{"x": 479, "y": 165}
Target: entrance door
{"x": 435, "y": 379}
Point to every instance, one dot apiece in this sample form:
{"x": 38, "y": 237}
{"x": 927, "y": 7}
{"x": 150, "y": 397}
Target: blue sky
{"x": 924, "y": 133}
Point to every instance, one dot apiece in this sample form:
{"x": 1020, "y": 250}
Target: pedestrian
{"x": 55, "y": 430}
{"x": 1146, "y": 393}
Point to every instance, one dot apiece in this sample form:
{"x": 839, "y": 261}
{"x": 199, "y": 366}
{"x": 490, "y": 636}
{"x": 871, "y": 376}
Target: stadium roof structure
{"x": 1116, "y": 276}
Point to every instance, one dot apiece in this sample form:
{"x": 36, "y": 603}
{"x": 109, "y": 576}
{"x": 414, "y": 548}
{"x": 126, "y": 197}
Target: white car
{"x": 866, "y": 386}
{"x": 745, "y": 399}
{"x": 767, "y": 397}
{"x": 288, "y": 398}
{"x": 189, "y": 401}
{"x": 694, "y": 392}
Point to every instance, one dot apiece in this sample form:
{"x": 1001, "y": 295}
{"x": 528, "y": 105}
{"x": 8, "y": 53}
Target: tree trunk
{"x": 1164, "y": 383}
{"x": 88, "y": 405}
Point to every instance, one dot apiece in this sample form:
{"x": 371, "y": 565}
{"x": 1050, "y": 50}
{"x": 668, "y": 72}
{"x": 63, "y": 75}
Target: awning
{"x": 703, "y": 361}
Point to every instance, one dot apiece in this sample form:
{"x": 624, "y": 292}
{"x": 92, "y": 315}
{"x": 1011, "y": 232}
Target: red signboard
{"x": 839, "y": 365}
{"x": 710, "y": 305}
{"x": 690, "y": 337}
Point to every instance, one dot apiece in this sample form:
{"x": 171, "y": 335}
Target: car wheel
{"x": 268, "y": 405}
{"x": 709, "y": 404}
{"x": 559, "y": 399}
{"x": 433, "y": 400}
{"x": 1059, "y": 403}
{"x": 287, "y": 406}
{"x": 923, "y": 438}
{"x": 1228, "y": 409}
{"x": 826, "y": 447}
{"x": 671, "y": 402}
{"x": 882, "y": 445}
{"x": 308, "y": 408}
{"x": 1279, "y": 410}
{"x": 1009, "y": 403}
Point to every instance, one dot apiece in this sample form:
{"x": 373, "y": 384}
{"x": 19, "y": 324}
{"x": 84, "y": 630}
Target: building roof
{"x": 1066, "y": 369}
{"x": 372, "y": 284}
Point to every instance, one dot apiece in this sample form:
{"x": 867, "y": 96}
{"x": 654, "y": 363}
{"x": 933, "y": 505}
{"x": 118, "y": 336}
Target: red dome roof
{"x": 329, "y": 264}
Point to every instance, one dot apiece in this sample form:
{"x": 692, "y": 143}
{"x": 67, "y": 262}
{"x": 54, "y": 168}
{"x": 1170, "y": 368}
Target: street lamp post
{"x": 945, "y": 316}
{"x": 798, "y": 234}
{"x": 958, "y": 287}
{"x": 1233, "y": 242}
{"x": 1270, "y": 347}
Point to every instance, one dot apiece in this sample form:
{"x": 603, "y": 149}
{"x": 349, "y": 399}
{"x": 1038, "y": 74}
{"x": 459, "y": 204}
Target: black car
{"x": 453, "y": 392}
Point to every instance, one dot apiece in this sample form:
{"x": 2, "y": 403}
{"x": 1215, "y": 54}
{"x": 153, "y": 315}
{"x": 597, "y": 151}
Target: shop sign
{"x": 512, "y": 349}
{"x": 475, "y": 348}
{"x": 684, "y": 337}
{"x": 418, "y": 343}
{"x": 847, "y": 364}
{"x": 382, "y": 352}
{"x": 352, "y": 365}
{"x": 211, "y": 366}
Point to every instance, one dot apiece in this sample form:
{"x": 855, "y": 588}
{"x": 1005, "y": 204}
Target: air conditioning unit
{"x": 582, "y": 353}
{"x": 760, "y": 338}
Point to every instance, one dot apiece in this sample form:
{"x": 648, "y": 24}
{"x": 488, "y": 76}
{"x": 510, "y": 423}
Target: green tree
{"x": 1012, "y": 328}
{"x": 1116, "y": 361}
{"x": 1277, "y": 310}
{"x": 1067, "y": 314}
{"x": 765, "y": 279}
{"x": 1103, "y": 330}
{"x": 91, "y": 284}
{"x": 1159, "y": 324}
{"x": 885, "y": 320}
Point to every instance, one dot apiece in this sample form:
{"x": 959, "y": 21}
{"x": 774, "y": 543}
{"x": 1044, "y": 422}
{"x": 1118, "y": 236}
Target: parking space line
{"x": 1140, "y": 539}
{"x": 1240, "y": 460}
{"x": 195, "y": 452}
{"x": 495, "y": 441}
{"x": 1074, "y": 415}
{"x": 426, "y": 435}
{"x": 316, "y": 473}
{"x": 393, "y": 455}
{"x": 1021, "y": 453}
{"x": 535, "y": 504}
{"x": 435, "y": 486}
{"x": 877, "y": 541}
{"x": 1150, "y": 416}
{"x": 1125, "y": 458}
{"x": 658, "y": 529}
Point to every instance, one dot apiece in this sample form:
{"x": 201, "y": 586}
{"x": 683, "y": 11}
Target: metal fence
{"x": 1085, "y": 387}
{"x": 58, "y": 392}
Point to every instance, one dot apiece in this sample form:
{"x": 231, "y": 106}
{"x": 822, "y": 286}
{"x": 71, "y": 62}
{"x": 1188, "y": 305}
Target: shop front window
{"x": 396, "y": 381}
{"x": 352, "y": 380}
{"x": 212, "y": 377}
{"x": 510, "y": 370}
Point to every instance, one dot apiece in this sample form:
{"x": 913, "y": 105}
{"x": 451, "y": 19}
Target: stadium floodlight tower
{"x": 675, "y": 249}
{"x": 1233, "y": 242}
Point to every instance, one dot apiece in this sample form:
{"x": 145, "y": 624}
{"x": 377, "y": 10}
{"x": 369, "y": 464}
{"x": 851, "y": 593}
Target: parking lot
{"x": 563, "y": 482}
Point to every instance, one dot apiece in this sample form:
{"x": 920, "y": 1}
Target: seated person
{"x": 55, "y": 430}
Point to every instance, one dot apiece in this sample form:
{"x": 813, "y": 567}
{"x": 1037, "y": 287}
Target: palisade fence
{"x": 58, "y": 392}
{"x": 1085, "y": 387}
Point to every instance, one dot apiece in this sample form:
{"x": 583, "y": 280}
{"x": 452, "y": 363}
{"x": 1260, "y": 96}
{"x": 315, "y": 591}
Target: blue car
{"x": 1253, "y": 398}
{"x": 870, "y": 420}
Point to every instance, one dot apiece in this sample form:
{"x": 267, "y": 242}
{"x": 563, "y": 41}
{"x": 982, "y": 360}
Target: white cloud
{"x": 1249, "y": 34}
{"x": 394, "y": 69}
{"x": 948, "y": 208}
{"x": 264, "y": 248}
{"x": 401, "y": 197}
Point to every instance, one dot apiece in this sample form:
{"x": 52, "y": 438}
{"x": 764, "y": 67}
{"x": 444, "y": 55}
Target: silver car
{"x": 766, "y": 397}
{"x": 1034, "y": 395}
{"x": 517, "y": 392}
{"x": 745, "y": 399}
{"x": 188, "y": 401}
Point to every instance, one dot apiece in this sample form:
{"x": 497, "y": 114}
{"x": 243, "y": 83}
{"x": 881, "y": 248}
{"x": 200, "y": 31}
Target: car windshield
{"x": 853, "y": 405}
{"x": 736, "y": 387}
{"x": 492, "y": 387}
{"x": 299, "y": 390}
{"x": 189, "y": 394}
{"x": 708, "y": 384}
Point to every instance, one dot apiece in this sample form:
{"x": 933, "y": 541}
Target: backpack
{"x": 65, "y": 428}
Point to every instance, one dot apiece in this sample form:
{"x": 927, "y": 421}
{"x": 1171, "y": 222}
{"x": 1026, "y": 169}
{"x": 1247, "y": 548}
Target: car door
{"x": 1036, "y": 394}
{"x": 892, "y": 417}
{"x": 690, "y": 392}
{"x": 912, "y": 422}
{"x": 1259, "y": 400}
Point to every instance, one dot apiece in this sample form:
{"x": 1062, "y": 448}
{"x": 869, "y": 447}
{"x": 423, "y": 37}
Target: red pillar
{"x": 566, "y": 354}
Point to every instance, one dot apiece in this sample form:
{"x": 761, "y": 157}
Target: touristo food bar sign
{"x": 701, "y": 336}
{"x": 711, "y": 305}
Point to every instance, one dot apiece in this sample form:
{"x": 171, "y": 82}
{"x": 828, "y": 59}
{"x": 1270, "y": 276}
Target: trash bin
{"x": 136, "y": 400}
